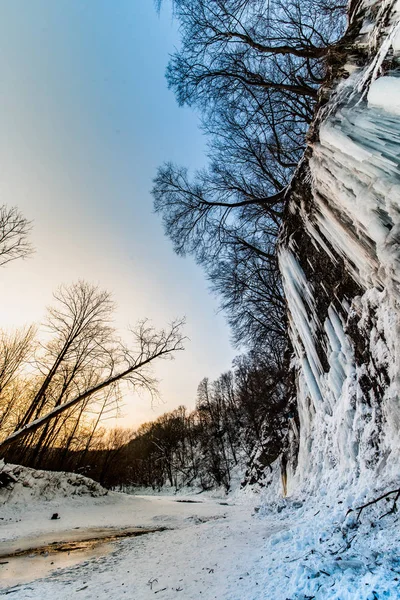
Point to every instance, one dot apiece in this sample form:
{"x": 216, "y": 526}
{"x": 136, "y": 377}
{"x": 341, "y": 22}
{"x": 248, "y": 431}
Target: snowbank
{"x": 21, "y": 485}
{"x": 325, "y": 552}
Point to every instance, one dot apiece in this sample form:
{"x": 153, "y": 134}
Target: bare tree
{"x": 253, "y": 68}
{"x": 14, "y": 231}
{"x": 81, "y": 345}
{"x": 229, "y": 46}
{"x": 16, "y": 349}
{"x": 133, "y": 366}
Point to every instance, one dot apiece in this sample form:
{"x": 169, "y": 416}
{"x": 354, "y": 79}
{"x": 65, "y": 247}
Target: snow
{"x": 209, "y": 549}
{"x": 331, "y": 556}
{"x": 27, "y": 485}
{"x": 384, "y": 92}
{"x": 249, "y": 545}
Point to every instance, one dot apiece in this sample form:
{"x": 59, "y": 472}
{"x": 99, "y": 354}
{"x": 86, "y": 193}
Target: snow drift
{"x": 21, "y": 485}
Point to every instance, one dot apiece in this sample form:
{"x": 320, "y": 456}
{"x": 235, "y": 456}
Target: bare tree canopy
{"x": 16, "y": 350}
{"x": 228, "y": 46}
{"x": 83, "y": 359}
{"x": 80, "y": 347}
{"x": 14, "y": 231}
{"x": 253, "y": 69}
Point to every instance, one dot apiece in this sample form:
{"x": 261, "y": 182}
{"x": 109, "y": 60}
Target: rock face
{"x": 340, "y": 262}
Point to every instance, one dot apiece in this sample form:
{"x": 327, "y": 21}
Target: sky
{"x": 86, "y": 118}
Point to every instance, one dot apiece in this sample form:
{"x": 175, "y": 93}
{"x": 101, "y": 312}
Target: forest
{"x": 254, "y": 71}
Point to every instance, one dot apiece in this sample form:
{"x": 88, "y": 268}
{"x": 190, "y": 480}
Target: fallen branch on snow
{"x": 359, "y": 509}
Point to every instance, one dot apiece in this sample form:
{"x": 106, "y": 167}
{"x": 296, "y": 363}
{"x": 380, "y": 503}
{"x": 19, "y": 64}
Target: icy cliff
{"x": 340, "y": 261}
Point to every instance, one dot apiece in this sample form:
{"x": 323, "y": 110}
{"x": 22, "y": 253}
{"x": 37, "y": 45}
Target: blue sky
{"x": 85, "y": 119}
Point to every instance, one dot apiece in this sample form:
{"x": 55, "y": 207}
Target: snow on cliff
{"x": 340, "y": 260}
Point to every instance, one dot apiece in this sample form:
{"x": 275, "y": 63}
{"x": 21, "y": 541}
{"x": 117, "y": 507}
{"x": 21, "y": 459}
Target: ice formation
{"x": 340, "y": 261}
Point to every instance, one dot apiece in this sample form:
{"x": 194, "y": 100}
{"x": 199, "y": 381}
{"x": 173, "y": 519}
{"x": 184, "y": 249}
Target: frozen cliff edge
{"x": 340, "y": 262}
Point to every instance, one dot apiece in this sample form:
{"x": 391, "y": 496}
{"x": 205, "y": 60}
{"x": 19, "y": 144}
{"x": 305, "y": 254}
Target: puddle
{"x": 28, "y": 559}
{"x": 63, "y": 541}
{"x": 28, "y": 567}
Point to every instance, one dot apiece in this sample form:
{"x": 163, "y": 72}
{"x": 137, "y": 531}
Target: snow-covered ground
{"x": 240, "y": 547}
{"x": 208, "y": 550}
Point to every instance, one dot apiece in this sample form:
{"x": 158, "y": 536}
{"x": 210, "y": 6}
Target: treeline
{"x": 241, "y": 415}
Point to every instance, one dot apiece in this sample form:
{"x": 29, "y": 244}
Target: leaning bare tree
{"x": 83, "y": 358}
{"x": 81, "y": 338}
